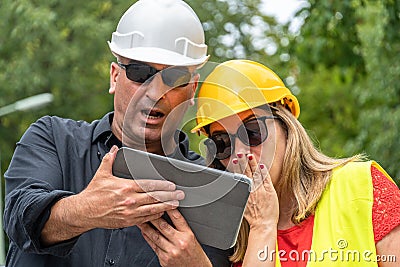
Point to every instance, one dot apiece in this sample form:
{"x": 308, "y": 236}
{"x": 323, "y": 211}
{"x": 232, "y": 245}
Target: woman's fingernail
{"x": 240, "y": 155}
{"x": 113, "y": 149}
{"x": 234, "y": 161}
{"x": 250, "y": 157}
{"x": 262, "y": 166}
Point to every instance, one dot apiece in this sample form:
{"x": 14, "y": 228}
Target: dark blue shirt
{"x": 56, "y": 158}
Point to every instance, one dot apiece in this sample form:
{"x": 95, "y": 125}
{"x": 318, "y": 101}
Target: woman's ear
{"x": 114, "y": 72}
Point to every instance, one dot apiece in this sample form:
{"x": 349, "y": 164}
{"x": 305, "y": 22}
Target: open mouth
{"x": 153, "y": 114}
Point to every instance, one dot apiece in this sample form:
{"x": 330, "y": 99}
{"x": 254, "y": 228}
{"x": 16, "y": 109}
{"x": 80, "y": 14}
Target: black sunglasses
{"x": 173, "y": 76}
{"x": 252, "y": 133}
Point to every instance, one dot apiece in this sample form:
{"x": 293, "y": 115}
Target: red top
{"x": 296, "y": 238}
{"x": 385, "y": 217}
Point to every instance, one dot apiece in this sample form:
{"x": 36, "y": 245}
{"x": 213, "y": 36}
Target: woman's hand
{"x": 263, "y": 206}
{"x": 262, "y": 211}
{"x": 174, "y": 246}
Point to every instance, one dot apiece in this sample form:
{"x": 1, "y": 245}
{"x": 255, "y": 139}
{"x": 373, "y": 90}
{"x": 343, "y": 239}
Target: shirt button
{"x": 111, "y": 262}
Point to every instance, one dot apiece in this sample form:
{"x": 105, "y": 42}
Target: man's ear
{"x": 195, "y": 83}
{"x": 114, "y": 72}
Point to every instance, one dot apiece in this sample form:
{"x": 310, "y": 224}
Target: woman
{"x": 306, "y": 209}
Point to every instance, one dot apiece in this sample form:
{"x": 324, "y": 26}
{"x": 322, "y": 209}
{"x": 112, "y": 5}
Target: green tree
{"x": 378, "y": 31}
{"x": 345, "y": 64}
{"x": 60, "y": 48}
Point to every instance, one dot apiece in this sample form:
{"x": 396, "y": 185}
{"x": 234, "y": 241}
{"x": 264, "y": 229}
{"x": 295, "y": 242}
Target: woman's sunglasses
{"x": 252, "y": 133}
{"x": 173, "y": 76}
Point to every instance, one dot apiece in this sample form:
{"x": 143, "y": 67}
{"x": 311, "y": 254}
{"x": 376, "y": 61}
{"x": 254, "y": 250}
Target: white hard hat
{"x": 160, "y": 31}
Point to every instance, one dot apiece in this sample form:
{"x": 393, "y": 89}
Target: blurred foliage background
{"x": 342, "y": 63}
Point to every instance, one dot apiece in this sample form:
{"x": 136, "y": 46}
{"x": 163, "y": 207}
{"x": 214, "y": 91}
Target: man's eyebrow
{"x": 132, "y": 61}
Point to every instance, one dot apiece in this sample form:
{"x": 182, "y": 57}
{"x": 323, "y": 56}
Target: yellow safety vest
{"x": 343, "y": 233}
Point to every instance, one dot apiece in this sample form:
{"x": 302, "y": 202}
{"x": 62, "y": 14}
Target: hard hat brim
{"x": 157, "y": 55}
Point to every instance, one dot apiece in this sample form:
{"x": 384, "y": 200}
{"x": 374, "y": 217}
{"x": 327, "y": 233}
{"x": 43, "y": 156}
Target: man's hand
{"x": 109, "y": 202}
{"x": 174, "y": 246}
{"x": 113, "y": 202}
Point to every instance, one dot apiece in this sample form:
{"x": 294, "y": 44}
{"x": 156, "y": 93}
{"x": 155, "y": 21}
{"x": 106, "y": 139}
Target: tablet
{"x": 214, "y": 200}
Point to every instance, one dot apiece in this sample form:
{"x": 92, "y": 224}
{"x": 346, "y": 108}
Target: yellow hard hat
{"x": 238, "y": 85}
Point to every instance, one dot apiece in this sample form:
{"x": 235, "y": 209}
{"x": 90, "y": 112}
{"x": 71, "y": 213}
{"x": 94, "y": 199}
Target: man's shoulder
{"x": 67, "y": 126}
{"x": 55, "y": 121}
{"x": 58, "y": 128}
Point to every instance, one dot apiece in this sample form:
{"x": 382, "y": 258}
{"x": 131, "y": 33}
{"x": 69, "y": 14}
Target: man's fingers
{"x": 108, "y": 160}
{"x": 147, "y": 232}
{"x": 159, "y": 197}
{"x": 164, "y": 228}
{"x": 147, "y": 210}
{"x": 163, "y": 196}
{"x": 178, "y": 220}
{"x": 168, "y": 230}
{"x": 150, "y": 242}
{"x": 148, "y": 218}
{"x": 154, "y": 237}
{"x": 154, "y": 185}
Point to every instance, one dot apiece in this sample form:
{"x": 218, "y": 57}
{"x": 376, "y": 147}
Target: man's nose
{"x": 155, "y": 88}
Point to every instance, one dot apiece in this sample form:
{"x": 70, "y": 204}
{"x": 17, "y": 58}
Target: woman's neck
{"x": 286, "y": 209}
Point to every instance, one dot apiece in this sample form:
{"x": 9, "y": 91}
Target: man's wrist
{"x": 66, "y": 221}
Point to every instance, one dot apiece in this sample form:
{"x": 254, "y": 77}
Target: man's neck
{"x": 166, "y": 147}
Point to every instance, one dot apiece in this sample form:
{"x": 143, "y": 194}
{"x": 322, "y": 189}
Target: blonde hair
{"x": 305, "y": 173}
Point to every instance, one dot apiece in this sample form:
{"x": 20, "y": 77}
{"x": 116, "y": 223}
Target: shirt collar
{"x": 103, "y": 127}
{"x": 182, "y": 151}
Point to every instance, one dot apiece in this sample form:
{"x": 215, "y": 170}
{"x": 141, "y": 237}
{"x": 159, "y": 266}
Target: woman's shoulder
{"x": 386, "y": 206}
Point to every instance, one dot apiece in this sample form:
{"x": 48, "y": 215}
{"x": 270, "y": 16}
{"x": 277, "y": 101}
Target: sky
{"x": 284, "y": 10}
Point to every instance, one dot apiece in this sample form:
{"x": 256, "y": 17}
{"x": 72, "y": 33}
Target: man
{"x": 63, "y": 205}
